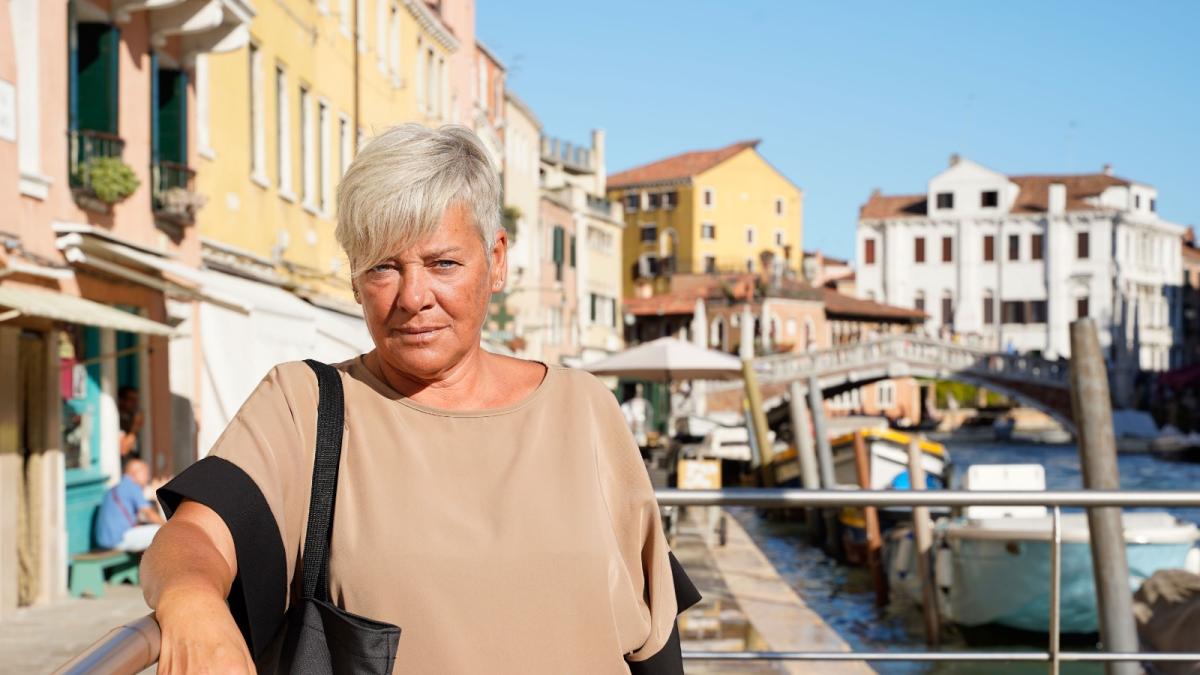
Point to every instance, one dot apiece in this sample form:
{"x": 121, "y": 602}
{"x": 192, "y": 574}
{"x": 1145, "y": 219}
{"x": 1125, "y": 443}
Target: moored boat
{"x": 992, "y": 565}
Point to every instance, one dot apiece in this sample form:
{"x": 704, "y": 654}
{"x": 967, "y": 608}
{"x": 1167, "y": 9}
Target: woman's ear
{"x": 499, "y": 254}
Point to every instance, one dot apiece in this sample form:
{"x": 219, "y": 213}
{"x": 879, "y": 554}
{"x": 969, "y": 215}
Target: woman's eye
{"x": 444, "y": 264}
{"x": 382, "y": 268}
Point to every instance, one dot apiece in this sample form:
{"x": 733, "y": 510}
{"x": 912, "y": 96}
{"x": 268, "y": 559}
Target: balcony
{"x": 600, "y": 206}
{"x": 173, "y": 195}
{"x": 572, "y": 157}
{"x": 87, "y": 148}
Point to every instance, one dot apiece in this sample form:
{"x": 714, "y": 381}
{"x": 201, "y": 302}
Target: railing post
{"x": 923, "y": 538}
{"x": 824, "y": 452}
{"x": 1092, "y": 409}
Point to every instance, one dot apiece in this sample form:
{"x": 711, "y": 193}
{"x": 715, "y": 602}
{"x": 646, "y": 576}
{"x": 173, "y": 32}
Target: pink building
{"x": 97, "y": 114}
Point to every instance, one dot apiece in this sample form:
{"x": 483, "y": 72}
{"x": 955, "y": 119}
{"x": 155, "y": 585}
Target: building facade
{"x": 98, "y": 149}
{"x": 1191, "y": 300}
{"x": 1012, "y": 260}
{"x": 574, "y": 176}
{"x": 708, "y": 211}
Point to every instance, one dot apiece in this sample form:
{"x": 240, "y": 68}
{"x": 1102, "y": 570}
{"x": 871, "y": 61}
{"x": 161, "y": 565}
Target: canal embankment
{"x": 748, "y": 606}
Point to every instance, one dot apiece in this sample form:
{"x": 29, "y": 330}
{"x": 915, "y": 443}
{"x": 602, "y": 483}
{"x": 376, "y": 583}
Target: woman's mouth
{"x": 419, "y": 334}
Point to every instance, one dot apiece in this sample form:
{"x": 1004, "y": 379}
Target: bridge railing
{"x": 912, "y": 349}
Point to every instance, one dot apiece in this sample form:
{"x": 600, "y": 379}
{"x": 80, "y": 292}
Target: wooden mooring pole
{"x": 862, "y": 464}
{"x": 1092, "y": 409}
{"x": 923, "y": 539}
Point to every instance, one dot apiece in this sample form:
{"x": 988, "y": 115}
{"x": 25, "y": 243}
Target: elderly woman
{"x": 495, "y": 509}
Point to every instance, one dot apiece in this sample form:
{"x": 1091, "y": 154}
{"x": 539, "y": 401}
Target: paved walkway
{"x": 41, "y": 639}
{"x": 780, "y": 618}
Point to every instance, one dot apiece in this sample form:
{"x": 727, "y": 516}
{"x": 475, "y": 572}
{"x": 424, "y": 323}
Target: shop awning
{"x": 73, "y": 309}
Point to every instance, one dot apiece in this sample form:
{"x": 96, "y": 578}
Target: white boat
{"x": 992, "y": 565}
{"x": 888, "y": 451}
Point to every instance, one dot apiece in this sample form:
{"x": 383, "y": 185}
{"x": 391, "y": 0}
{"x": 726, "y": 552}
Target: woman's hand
{"x": 199, "y": 635}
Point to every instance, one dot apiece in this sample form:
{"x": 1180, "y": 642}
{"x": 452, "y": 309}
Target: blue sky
{"x": 851, "y": 96}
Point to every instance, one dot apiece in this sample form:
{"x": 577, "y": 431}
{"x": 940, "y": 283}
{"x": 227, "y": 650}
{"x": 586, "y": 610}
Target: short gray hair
{"x": 397, "y": 189}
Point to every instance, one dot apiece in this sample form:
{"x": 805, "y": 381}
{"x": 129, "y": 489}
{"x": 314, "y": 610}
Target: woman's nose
{"x": 415, "y": 293}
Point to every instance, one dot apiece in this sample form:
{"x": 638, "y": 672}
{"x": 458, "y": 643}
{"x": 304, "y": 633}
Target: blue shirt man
{"x": 126, "y": 520}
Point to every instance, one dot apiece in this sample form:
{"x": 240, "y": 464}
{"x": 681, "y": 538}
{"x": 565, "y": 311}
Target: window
{"x": 919, "y": 301}
{"x": 989, "y": 199}
{"x": 632, "y": 202}
{"x": 308, "y": 183}
{"x": 283, "y": 134}
{"x": 1014, "y": 247}
{"x": 779, "y": 237}
{"x": 989, "y": 248}
{"x": 710, "y": 264}
{"x": 323, "y": 181}
{"x": 989, "y": 310}
{"x": 653, "y": 201}
{"x": 710, "y": 197}
{"x": 1154, "y": 205}
{"x": 919, "y": 250}
{"x": 258, "y": 149}
{"x": 869, "y": 252}
{"x": 778, "y": 206}
{"x": 1035, "y": 247}
{"x": 947, "y": 310}
{"x": 885, "y": 394}
{"x": 1081, "y": 308}
{"x": 708, "y": 231}
{"x": 670, "y": 200}
{"x": 945, "y": 200}
{"x": 345, "y": 149}
{"x": 1137, "y": 201}
{"x": 947, "y": 249}
{"x": 649, "y": 233}
{"x": 1081, "y": 245}
{"x": 749, "y": 234}
{"x": 749, "y": 264}
{"x": 557, "y": 245}
{"x": 1023, "y": 311}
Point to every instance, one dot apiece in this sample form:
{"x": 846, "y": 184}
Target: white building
{"x": 1012, "y": 260}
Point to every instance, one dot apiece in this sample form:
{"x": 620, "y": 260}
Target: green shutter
{"x": 572, "y": 251}
{"x": 96, "y": 49}
{"x": 171, "y": 111}
{"x": 558, "y": 244}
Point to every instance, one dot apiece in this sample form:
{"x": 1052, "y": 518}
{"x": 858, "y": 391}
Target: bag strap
{"x": 330, "y": 420}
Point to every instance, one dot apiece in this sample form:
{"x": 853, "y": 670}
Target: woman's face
{"x": 425, "y": 307}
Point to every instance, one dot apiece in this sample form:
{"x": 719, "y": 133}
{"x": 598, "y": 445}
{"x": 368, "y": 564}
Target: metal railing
{"x": 88, "y": 145}
{"x": 134, "y": 647}
{"x": 172, "y": 191}
{"x": 1054, "y": 656}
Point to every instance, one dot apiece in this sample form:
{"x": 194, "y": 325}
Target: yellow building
{"x": 280, "y": 119}
{"x": 708, "y": 211}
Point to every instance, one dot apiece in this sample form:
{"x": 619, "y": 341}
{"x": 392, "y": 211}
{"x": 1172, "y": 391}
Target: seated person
{"x": 127, "y": 521}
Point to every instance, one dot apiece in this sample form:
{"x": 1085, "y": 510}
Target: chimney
{"x": 598, "y": 161}
{"x": 1057, "y": 202}
{"x": 876, "y": 192}
{"x": 1107, "y": 169}
{"x": 954, "y": 158}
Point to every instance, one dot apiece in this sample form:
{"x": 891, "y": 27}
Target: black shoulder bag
{"x": 317, "y": 637}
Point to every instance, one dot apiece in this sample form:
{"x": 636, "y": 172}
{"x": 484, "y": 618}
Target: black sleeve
{"x": 669, "y": 659}
{"x": 257, "y": 598}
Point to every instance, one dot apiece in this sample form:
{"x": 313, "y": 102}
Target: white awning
{"x": 73, "y": 309}
{"x": 84, "y": 245}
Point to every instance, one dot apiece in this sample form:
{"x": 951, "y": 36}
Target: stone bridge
{"x": 1031, "y": 381}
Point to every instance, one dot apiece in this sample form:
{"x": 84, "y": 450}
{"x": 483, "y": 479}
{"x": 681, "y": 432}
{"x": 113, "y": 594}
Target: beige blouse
{"x": 523, "y": 539}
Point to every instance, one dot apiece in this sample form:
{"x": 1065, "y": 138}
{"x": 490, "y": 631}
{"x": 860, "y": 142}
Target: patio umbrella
{"x": 668, "y": 359}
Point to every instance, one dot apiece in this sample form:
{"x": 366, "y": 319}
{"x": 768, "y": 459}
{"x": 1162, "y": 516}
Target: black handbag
{"x": 318, "y": 638}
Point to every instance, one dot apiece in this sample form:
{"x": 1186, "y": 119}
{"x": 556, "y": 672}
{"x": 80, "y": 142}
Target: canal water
{"x": 844, "y": 596}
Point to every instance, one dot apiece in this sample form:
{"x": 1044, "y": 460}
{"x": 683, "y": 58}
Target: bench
{"x": 88, "y": 571}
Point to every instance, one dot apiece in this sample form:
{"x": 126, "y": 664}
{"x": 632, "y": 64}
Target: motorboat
{"x": 992, "y": 564}
{"x": 888, "y": 453}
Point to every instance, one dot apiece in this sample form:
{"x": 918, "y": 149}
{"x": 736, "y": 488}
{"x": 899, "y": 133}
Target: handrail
{"x": 133, "y": 647}
{"x": 125, "y": 650}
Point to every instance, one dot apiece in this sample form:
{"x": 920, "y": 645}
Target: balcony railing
{"x": 570, "y": 155}
{"x": 87, "y": 146}
{"x": 173, "y": 194}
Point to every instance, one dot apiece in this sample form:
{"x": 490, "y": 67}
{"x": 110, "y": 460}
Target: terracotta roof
{"x": 677, "y": 167}
{"x": 1032, "y": 198}
{"x": 845, "y": 305}
{"x": 682, "y": 300}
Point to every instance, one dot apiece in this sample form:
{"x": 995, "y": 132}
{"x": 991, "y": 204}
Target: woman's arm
{"x": 186, "y": 575}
